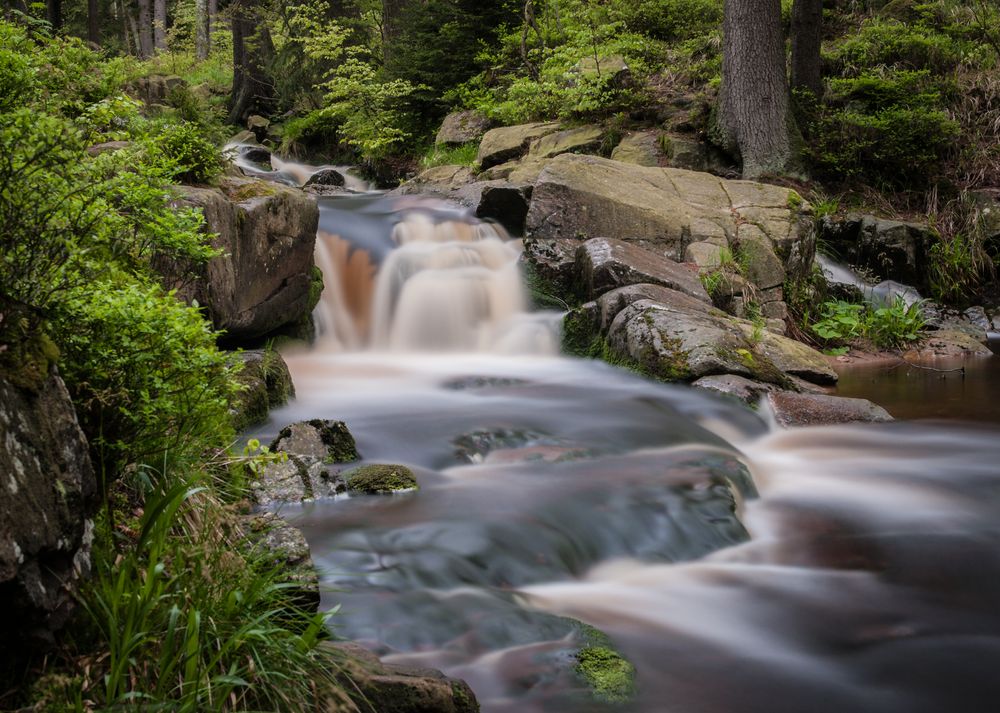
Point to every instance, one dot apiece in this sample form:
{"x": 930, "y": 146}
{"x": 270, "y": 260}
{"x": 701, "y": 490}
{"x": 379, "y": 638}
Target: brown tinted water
{"x": 938, "y": 389}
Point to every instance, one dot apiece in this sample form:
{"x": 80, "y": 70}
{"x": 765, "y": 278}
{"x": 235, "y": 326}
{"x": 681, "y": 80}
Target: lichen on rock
{"x": 380, "y": 478}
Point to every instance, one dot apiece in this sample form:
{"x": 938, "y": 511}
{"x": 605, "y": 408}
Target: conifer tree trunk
{"x": 160, "y": 25}
{"x": 202, "y": 28}
{"x": 253, "y": 90}
{"x": 145, "y": 29}
{"x": 753, "y": 120}
{"x": 807, "y": 39}
{"x": 93, "y": 22}
{"x": 53, "y": 13}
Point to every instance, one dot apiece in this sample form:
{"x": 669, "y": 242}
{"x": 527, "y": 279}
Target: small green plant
{"x": 890, "y": 326}
{"x": 193, "y": 158}
{"x": 464, "y": 155}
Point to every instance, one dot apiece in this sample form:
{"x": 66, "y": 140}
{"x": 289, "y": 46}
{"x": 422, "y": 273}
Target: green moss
{"x": 315, "y": 288}
{"x": 794, "y": 201}
{"x": 335, "y": 435}
{"x": 250, "y": 190}
{"x": 609, "y": 675}
{"x": 27, "y": 363}
{"x": 381, "y": 478}
{"x": 579, "y": 335}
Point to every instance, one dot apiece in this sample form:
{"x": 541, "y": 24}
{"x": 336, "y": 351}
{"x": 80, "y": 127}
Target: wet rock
{"x": 551, "y": 266}
{"x": 258, "y": 126}
{"x": 510, "y": 142}
{"x": 892, "y": 250}
{"x": 262, "y": 280}
{"x": 482, "y": 382}
{"x": 462, "y": 127}
{"x": 386, "y": 688}
{"x": 267, "y": 384}
{"x": 791, "y": 409}
{"x": 271, "y": 538}
{"x": 977, "y": 317}
{"x": 380, "y": 479}
{"x": 746, "y": 390}
{"x": 640, "y": 148}
{"x": 304, "y": 466}
{"x": 330, "y": 441}
{"x": 950, "y": 342}
{"x": 47, "y": 489}
{"x": 256, "y": 154}
{"x": 107, "y": 147}
{"x": 666, "y": 209}
{"x": 326, "y": 177}
{"x": 604, "y": 264}
{"x": 475, "y": 446}
{"x": 672, "y": 336}
{"x": 506, "y": 203}
{"x": 583, "y": 139}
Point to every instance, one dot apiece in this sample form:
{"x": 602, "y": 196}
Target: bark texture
{"x": 160, "y": 25}
{"x": 202, "y": 41}
{"x": 807, "y": 38}
{"x": 253, "y": 90}
{"x": 93, "y": 22}
{"x": 753, "y": 120}
{"x": 53, "y": 13}
{"x": 145, "y": 28}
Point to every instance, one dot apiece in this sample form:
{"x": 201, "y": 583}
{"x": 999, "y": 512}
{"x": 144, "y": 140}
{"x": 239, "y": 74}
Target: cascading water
{"x": 863, "y": 577}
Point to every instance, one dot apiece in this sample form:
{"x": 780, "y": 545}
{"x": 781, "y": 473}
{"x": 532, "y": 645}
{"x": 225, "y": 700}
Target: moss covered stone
{"x": 330, "y": 441}
{"x": 380, "y": 478}
{"x": 610, "y": 676}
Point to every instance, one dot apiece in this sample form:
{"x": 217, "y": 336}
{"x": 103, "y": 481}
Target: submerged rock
{"x": 791, "y": 409}
{"x": 327, "y": 177}
{"x": 47, "y": 487}
{"x": 380, "y": 479}
{"x": 391, "y": 688}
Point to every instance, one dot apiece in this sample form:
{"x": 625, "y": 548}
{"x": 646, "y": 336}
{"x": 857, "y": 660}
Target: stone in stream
{"x": 672, "y": 336}
{"x": 303, "y": 469}
{"x": 380, "y": 479}
{"x": 47, "y": 489}
{"x": 370, "y": 685}
{"x": 266, "y": 384}
{"x": 283, "y": 545}
{"x": 890, "y": 249}
{"x": 791, "y": 409}
{"x": 327, "y": 177}
{"x": 262, "y": 280}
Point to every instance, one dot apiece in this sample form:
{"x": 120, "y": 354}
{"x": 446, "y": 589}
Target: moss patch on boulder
{"x": 381, "y": 478}
{"x": 610, "y": 676}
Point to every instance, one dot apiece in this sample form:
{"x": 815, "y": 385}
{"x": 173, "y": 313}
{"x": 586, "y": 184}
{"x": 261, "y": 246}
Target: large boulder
{"x": 511, "y": 142}
{"x": 47, "y": 488}
{"x": 672, "y": 336}
{"x": 791, "y": 409}
{"x": 583, "y": 197}
{"x": 640, "y": 148}
{"x": 604, "y": 264}
{"x": 461, "y": 127}
{"x": 262, "y": 280}
{"x": 582, "y": 139}
{"x": 266, "y": 384}
{"x": 155, "y": 89}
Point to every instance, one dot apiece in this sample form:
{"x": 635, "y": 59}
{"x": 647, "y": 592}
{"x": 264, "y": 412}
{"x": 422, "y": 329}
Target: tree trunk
{"x": 253, "y": 90}
{"x": 391, "y": 10}
{"x": 202, "y": 28}
{"x": 754, "y": 120}
{"x": 213, "y": 20}
{"x": 93, "y": 22}
{"x": 145, "y": 27}
{"x": 160, "y": 25}
{"x": 807, "y": 38}
{"x": 53, "y": 13}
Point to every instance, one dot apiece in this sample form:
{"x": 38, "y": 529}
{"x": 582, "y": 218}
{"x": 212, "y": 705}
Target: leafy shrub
{"x": 890, "y": 43}
{"x": 671, "y": 20}
{"x": 192, "y": 157}
{"x": 889, "y": 326}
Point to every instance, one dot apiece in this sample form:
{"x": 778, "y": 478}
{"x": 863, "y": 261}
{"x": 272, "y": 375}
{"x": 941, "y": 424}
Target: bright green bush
{"x": 890, "y": 43}
{"x": 671, "y": 20}
{"x": 192, "y": 157}
{"x": 889, "y": 326}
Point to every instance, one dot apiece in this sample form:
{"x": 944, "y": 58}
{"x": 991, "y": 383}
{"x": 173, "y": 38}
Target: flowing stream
{"x": 739, "y": 568}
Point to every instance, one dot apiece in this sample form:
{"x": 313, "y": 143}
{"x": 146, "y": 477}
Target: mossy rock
{"x": 330, "y": 441}
{"x": 380, "y": 478}
{"x": 610, "y": 676}
{"x": 27, "y": 363}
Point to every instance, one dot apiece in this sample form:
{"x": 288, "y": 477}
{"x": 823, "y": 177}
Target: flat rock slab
{"x": 791, "y": 409}
{"x": 583, "y": 197}
{"x": 579, "y": 140}
{"x": 605, "y": 264}
{"x": 511, "y": 142}
{"x": 640, "y": 148}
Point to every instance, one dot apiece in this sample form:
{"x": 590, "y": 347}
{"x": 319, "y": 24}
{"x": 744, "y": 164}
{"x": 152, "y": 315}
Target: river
{"x": 740, "y": 568}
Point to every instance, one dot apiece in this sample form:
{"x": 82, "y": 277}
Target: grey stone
{"x": 283, "y": 545}
{"x": 47, "y": 491}
{"x": 262, "y": 280}
{"x": 462, "y": 127}
{"x": 604, "y": 264}
{"x": 506, "y": 203}
{"x": 326, "y": 177}
{"x": 581, "y": 139}
{"x": 741, "y": 388}
{"x": 640, "y": 148}
{"x": 510, "y": 142}
{"x": 792, "y": 409}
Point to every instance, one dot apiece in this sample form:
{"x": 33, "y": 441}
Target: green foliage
{"x": 890, "y": 326}
{"x": 672, "y": 20}
{"x": 146, "y": 377}
{"x": 901, "y": 45}
{"x": 610, "y": 676}
{"x": 957, "y": 268}
{"x": 191, "y": 624}
{"x": 192, "y": 158}
{"x": 464, "y": 155}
